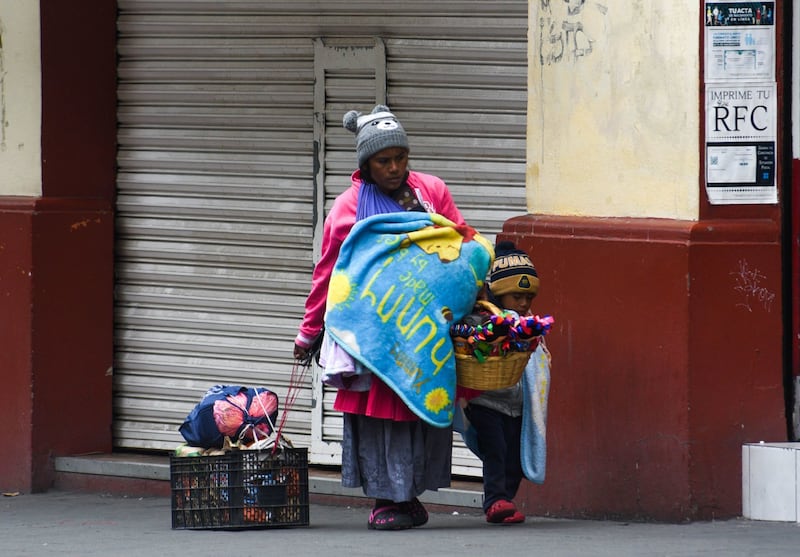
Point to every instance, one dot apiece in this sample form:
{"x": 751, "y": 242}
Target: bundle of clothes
{"x": 230, "y": 416}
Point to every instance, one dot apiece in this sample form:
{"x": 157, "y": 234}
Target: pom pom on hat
{"x": 512, "y": 271}
{"x": 375, "y": 131}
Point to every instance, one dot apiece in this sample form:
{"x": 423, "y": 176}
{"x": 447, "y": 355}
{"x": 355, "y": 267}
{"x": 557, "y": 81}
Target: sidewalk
{"x": 87, "y": 524}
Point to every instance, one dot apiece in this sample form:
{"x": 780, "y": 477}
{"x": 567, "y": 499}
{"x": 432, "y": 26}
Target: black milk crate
{"x": 240, "y": 490}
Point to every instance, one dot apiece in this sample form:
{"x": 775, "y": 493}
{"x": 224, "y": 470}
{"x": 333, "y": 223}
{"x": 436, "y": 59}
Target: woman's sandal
{"x": 389, "y": 517}
{"x": 417, "y": 512}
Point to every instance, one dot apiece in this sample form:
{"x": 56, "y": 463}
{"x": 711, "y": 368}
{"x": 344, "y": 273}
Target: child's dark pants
{"x": 499, "y": 445}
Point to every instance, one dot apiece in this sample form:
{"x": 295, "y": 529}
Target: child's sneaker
{"x": 500, "y": 510}
{"x": 515, "y": 518}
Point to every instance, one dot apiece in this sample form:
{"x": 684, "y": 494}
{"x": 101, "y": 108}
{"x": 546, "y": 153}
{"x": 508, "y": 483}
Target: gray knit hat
{"x": 375, "y": 131}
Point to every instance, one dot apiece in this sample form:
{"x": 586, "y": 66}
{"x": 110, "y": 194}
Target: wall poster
{"x": 741, "y": 123}
{"x": 740, "y": 103}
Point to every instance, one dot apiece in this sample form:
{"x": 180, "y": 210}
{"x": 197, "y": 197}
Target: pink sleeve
{"x": 449, "y": 209}
{"x": 335, "y": 229}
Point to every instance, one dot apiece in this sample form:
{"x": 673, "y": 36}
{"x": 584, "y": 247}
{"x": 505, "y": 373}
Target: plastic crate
{"x": 240, "y": 490}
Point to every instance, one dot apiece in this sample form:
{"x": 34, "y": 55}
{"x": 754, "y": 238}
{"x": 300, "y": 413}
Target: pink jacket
{"x": 435, "y": 197}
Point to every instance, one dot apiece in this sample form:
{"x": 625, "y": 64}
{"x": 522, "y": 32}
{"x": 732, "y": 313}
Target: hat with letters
{"x": 512, "y": 271}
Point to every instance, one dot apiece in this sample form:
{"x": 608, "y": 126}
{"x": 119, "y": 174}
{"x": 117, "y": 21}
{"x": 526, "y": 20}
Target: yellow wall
{"x": 613, "y": 115}
{"x": 20, "y": 98}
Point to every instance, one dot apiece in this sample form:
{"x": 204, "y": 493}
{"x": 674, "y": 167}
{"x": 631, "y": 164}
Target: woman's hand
{"x": 305, "y": 353}
{"x": 300, "y": 353}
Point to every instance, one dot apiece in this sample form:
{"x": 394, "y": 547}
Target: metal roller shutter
{"x": 227, "y": 165}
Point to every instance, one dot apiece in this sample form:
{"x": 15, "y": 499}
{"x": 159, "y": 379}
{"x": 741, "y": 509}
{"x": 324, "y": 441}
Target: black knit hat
{"x": 512, "y": 271}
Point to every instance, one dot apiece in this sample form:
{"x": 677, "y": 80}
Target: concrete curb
{"x": 150, "y": 474}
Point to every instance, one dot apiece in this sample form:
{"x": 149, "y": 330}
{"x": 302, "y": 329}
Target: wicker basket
{"x": 495, "y": 372}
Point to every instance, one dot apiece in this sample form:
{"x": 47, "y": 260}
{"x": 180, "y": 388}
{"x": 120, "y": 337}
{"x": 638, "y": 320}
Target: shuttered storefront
{"x": 230, "y": 151}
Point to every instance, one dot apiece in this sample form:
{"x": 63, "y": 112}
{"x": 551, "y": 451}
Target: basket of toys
{"x": 493, "y": 346}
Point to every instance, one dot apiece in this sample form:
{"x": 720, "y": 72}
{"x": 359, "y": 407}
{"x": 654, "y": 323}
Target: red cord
{"x": 296, "y": 380}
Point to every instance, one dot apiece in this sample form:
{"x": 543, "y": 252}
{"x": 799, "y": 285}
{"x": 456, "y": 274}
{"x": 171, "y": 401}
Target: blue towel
{"x": 400, "y": 281}
{"x": 535, "y": 389}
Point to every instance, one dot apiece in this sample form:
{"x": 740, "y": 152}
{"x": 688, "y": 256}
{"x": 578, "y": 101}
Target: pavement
{"x": 83, "y": 524}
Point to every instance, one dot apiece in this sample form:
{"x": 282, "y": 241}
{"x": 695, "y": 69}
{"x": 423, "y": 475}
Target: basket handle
{"x": 488, "y": 306}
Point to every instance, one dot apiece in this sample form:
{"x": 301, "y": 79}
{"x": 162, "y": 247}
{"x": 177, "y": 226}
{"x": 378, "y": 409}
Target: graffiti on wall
{"x": 562, "y": 30}
{"x": 747, "y": 283}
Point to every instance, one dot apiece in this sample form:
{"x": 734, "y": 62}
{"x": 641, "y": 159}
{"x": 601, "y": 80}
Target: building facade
{"x": 167, "y": 165}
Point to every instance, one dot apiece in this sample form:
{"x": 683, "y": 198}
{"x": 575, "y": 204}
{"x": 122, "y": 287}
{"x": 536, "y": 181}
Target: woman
{"x": 386, "y": 449}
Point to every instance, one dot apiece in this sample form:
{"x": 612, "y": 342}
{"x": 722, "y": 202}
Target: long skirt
{"x": 395, "y": 460}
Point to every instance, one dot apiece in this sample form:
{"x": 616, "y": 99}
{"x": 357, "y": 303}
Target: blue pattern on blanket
{"x": 400, "y": 281}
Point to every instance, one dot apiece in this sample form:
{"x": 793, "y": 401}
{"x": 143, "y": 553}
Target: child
{"x": 496, "y": 415}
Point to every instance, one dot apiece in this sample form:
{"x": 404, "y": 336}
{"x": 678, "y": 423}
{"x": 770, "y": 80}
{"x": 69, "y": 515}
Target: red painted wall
{"x": 16, "y": 412}
{"x": 72, "y": 331}
{"x": 56, "y": 258}
{"x": 666, "y": 359}
{"x": 79, "y": 99}
{"x": 736, "y": 376}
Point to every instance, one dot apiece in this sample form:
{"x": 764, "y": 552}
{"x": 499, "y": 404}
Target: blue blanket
{"x": 400, "y": 281}
{"x": 536, "y": 390}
